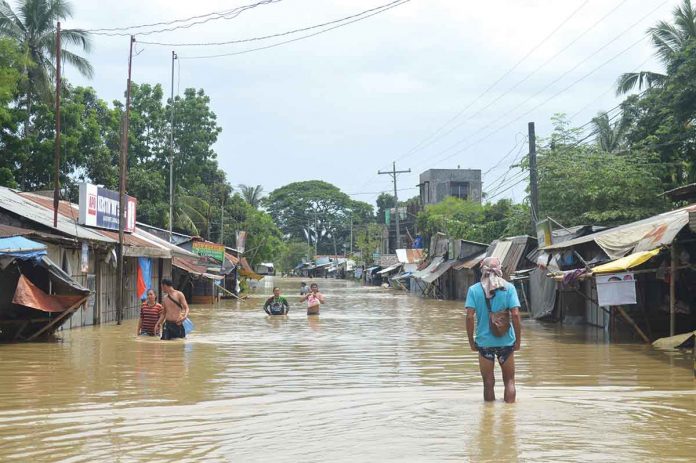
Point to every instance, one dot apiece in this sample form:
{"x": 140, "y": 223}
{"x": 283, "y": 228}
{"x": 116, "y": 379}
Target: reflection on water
{"x": 378, "y": 376}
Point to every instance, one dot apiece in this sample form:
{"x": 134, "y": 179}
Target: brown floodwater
{"x": 378, "y": 376}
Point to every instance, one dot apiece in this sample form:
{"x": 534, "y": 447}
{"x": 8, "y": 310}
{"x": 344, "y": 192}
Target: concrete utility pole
{"x": 56, "y": 156}
{"x": 533, "y": 179}
{"x": 393, "y": 173}
{"x": 171, "y": 156}
{"x": 123, "y": 172}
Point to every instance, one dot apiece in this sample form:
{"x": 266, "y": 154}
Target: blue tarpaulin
{"x": 21, "y": 248}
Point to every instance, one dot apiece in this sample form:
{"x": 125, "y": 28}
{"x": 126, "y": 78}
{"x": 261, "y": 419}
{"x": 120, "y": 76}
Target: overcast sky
{"x": 341, "y": 105}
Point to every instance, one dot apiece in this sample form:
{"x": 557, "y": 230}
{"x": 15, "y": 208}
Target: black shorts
{"x": 490, "y": 353}
{"x": 171, "y": 330}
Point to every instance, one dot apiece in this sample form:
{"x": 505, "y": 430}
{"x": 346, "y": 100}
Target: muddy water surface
{"x": 378, "y": 376}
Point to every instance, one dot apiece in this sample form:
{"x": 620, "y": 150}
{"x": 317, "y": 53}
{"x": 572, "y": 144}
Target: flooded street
{"x": 378, "y": 376}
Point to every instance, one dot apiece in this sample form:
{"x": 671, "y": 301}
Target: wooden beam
{"x": 632, "y": 323}
{"x": 56, "y": 320}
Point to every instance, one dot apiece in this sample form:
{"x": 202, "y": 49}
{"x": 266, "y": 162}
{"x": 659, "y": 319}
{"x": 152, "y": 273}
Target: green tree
{"x": 252, "y": 194}
{"x": 317, "y": 209}
{"x": 581, "y": 184}
{"x": 11, "y": 65}
{"x": 264, "y": 239}
{"x": 669, "y": 39}
{"x": 294, "y": 252}
{"x": 368, "y": 240}
{"x": 32, "y": 26}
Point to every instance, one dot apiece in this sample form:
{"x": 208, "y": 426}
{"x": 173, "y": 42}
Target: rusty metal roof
{"x": 25, "y": 207}
{"x": 410, "y": 256}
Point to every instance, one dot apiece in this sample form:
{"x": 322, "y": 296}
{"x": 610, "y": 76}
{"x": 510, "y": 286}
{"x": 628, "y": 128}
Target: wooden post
{"x": 632, "y": 323}
{"x": 672, "y": 289}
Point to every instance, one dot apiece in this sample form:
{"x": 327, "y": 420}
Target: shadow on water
{"x": 378, "y": 376}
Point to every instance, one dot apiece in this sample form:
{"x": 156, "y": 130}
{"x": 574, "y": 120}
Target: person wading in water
{"x": 175, "y": 311}
{"x": 493, "y": 303}
{"x": 150, "y": 314}
{"x": 314, "y": 299}
{"x": 276, "y": 305}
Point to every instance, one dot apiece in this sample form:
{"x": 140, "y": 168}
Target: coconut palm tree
{"x": 192, "y": 215}
{"x": 33, "y": 27}
{"x": 252, "y": 194}
{"x": 610, "y": 136}
{"x": 668, "y": 40}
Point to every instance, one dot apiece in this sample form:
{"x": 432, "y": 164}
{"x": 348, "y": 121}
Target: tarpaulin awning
{"x": 626, "y": 263}
{"x": 247, "y": 271}
{"x": 643, "y": 235}
{"x": 22, "y": 248}
{"x": 30, "y": 295}
{"x": 390, "y": 269}
{"x": 439, "y": 271}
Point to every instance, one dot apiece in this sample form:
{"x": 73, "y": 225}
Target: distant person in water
{"x": 304, "y": 289}
{"x": 176, "y": 310}
{"x": 494, "y": 295}
{"x": 150, "y": 313}
{"x": 314, "y": 299}
{"x": 277, "y": 304}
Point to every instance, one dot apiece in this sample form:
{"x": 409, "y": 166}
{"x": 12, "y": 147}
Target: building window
{"x": 459, "y": 190}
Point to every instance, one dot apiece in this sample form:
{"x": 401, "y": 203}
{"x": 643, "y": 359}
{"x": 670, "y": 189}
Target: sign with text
{"x": 202, "y": 248}
{"x": 99, "y": 208}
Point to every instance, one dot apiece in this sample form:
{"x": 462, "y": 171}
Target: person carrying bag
{"x": 493, "y": 307}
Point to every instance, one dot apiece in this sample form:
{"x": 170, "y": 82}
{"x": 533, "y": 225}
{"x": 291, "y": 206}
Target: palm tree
{"x": 192, "y": 215}
{"x": 669, "y": 40}
{"x": 610, "y": 136}
{"x": 32, "y": 27}
{"x": 252, "y": 194}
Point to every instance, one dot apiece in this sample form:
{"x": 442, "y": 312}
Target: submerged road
{"x": 378, "y": 376}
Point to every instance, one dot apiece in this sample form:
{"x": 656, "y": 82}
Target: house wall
{"x": 463, "y": 279}
{"x": 437, "y": 184}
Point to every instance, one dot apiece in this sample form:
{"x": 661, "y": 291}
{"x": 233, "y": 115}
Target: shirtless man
{"x": 175, "y": 311}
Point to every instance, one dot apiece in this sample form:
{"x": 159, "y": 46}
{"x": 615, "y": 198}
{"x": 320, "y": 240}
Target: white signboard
{"x": 99, "y": 208}
{"x": 616, "y": 289}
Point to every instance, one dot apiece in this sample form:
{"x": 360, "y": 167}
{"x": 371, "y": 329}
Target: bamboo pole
{"x": 673, "y": 290}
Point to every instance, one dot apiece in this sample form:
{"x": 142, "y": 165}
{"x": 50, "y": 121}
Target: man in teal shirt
{"x": 502, "y": 295}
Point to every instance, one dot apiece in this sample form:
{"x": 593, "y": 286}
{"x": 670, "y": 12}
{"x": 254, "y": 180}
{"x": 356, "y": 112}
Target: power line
{"x": 280, "y": 34}
{"x": 537, "y": 69}
{"x": 197, "y": 20}
{"x": 552, "y": 83}
{"x": 428, "y": 140}
{"x": 284, "y": 42}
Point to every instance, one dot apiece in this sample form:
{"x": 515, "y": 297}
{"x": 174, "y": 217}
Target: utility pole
{"x": 123, "y": 172}
{"x": 393, "y": 173}
{"x": 351, "y": 234}
{"x": 171, "y": 155}
{"x": 56, "y": 156}
{"x": 533, "y": 185}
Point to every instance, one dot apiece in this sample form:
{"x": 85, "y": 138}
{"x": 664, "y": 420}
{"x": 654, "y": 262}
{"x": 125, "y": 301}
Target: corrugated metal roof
{"x": 190, "y": 265}
{"x": 469, "y": 264}
{"x": 439, "y": 271}
{"x": 409, "y": 256}
{"x": 137, "y": 244}
{"x": 15, "y": 203}
{"x": 510, "y": 251}
{"x": 434, "y": 264}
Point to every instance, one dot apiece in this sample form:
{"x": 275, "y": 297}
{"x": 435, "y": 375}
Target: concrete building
{"x": 437, "y": 184}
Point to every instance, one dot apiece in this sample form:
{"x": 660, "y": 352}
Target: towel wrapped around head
{"x": 492, "y": 276}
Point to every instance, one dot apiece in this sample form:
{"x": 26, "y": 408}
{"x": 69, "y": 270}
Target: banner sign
{"x": 214, "y": 250}
{"x": 616, "y": 289}
{"x": 84, "y": 257}
{"x": 241, "y": 241}
{"x": 99, "y": 208}
{"x": 543, "y": 229}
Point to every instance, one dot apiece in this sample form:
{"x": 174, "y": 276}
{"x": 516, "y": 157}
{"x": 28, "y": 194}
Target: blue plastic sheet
{"x": 21, "y": 248}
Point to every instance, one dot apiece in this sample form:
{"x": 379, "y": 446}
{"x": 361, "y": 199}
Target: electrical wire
{"x": 271, "y": 36}
{"x": 285, "y": 42}
{"x": 577, "y": 65}
{"x": 197, "y": 20}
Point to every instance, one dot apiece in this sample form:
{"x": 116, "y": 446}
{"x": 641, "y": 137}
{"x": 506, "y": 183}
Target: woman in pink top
{"x": 314, "y": 299}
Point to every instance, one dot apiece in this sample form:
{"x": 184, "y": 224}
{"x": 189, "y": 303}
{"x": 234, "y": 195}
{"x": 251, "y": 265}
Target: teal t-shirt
{"x": 502, "y": 300}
